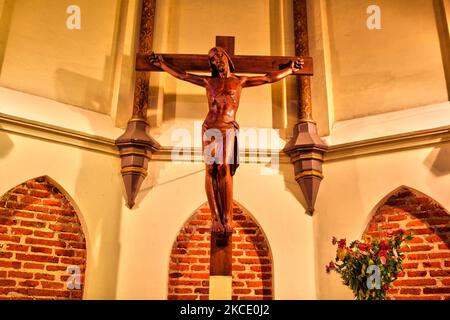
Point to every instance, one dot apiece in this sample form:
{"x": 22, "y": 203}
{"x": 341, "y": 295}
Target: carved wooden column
{"x": 306, "y": 148}
{"x": 136, "y": 145}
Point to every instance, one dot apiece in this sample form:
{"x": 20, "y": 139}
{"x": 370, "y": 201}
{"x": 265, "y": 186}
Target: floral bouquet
{"x": 370, "y": 267}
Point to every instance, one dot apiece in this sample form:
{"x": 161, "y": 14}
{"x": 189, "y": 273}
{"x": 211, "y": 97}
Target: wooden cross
{"x": 243, "y": 64}
{"x": 221, "y": 248}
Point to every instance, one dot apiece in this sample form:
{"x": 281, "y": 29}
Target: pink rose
{"x": 395, "y": 254}
{"x": 383, "y": 256}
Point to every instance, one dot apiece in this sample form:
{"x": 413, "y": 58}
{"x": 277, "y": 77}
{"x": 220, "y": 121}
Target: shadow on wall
{"x": 152, "y": 181}
{"x": 94, "y": 94}
{"x": 438, "y": 161}
{"x": 81, "y": 91}
{"x": 6, "y": 144}
{"x": 287, "y": 169}
{"x": 189, "y": 106}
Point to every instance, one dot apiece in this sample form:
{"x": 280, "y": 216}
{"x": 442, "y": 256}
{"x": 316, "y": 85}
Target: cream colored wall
{"x": 172, "y": 192}
{"x": 397, "y": 67}
{"x": 5, "y": 18}
{"x": 442, "y": 9}
{"x": 45, "y": 58}
{"x": 128, "y": 250}
{"x": 352, "y": 188}
{"x": 322, "y": 98}
{"x": 92, "y": 180}
{"x": 124, "y": 77}
{"x": 2, "y": 4}
{"x": 133, "y": 263}
{"x": 3, "y": 32}
{"x": 184, "y": 26}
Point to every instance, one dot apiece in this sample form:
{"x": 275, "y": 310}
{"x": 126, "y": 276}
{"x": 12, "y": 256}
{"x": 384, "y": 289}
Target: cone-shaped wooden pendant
{"x": 136, "y": 148}
{"x": 133, "y": 182}
{"x": 306, "y": 151}
{"x": 309, "y": 184}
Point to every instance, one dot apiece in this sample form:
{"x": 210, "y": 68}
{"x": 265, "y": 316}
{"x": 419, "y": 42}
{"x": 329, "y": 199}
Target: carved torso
{"x": 223, "y": 101}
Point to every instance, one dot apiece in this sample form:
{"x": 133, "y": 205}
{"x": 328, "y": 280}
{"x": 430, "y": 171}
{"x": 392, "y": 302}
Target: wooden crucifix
{"x": 220, "y": 129}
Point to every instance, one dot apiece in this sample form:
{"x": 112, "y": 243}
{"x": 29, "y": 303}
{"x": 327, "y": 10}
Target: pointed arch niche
{"x": 43, "y": 247}
{"x": 189, "y": 259}
{"x": 426, "y": 273}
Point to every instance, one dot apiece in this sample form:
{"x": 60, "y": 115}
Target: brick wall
{"x": 40, "y": 236}
{"x": 427, "y": 262}
{"x": 189, "y": 260}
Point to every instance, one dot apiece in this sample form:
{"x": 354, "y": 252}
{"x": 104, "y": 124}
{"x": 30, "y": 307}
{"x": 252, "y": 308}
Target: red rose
{"x": 330, "y": 266}
{"x": 342, "y": 243}
{"x": 384, "y": 245}
{"x": 364, "y": 246}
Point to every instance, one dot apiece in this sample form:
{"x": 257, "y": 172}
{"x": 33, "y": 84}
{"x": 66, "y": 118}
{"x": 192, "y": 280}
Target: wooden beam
{"x": 221, "y": 255}
{"x": 243, "y": 64}
{"x": 226, "y": 43}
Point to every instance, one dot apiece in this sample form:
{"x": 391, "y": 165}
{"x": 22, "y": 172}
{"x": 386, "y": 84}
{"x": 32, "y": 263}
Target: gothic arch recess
{"x": 189, "y": 259}
{"x": 43, "y": 247}
{"x": 427, "y": 264}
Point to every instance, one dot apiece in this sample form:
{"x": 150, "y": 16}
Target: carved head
{"x": 220, "y": 61}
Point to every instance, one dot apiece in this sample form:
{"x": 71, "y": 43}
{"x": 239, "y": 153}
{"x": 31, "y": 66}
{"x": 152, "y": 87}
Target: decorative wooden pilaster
{"x": 136, "y": 145}
{"x": 306, "y": 148}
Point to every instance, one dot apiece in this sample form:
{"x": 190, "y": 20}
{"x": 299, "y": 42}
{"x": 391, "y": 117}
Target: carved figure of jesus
{"x": 220, "y": 129}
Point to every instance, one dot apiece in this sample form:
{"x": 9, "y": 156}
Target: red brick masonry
{"x": 189, "y": 260}
{"x": 40, "y": 237}
{"x": 427, "y": 262}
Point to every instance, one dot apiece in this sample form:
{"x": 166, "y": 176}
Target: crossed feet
{"x": 221, "y": 227}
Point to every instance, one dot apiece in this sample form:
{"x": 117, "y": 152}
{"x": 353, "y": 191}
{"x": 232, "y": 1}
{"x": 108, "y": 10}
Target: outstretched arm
{"x": 274, "y": 76}
{"x": 158, "y": 61}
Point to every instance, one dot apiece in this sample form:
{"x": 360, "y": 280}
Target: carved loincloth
{"x": 220, "y": 145}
